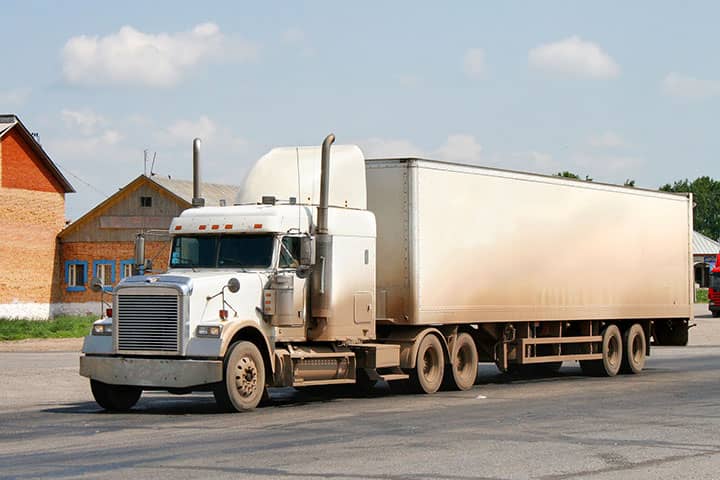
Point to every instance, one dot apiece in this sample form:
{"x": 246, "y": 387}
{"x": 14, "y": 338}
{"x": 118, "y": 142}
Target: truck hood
{"x": 201, "y": 288}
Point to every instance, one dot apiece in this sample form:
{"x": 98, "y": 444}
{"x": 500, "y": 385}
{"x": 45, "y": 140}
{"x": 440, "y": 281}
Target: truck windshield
{"x": 715, "y": 281}
{"x": 222, "y": 251}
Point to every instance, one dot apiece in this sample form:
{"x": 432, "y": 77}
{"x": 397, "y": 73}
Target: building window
{"x": 146, "y": 201}
{"x": 126, "y": 268}
{"x": 105, "y": 271}
{"x": 75, "y": 275}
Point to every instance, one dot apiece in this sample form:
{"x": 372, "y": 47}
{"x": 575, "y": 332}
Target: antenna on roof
{"x": 152, "y": 165}
{"x": 145, "y": 162}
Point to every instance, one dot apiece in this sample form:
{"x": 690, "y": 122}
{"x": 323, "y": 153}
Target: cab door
{"x": 291, "y": 324}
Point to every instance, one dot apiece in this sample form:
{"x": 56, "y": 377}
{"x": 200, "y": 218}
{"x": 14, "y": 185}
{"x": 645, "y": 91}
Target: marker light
{"x": 108, "y": 312}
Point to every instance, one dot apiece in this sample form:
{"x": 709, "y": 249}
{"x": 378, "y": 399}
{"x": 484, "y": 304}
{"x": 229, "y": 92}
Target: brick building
{"x": 101, "y": 243}
{"x": 32, "y": 212}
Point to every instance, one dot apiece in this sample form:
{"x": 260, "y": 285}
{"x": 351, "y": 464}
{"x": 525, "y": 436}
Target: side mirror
{"x": 307, "y": 252}
{"x": 96, "y": 284}
{"x": 303, "y": 271}
{"x": 233, "y": 285}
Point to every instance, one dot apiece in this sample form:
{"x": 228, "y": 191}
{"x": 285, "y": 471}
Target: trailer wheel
{"x": 115, "y": 398}
{"x": 634, "y": 346}
{"x": 612, "y": 351}
{"x": 463, "y": 363}
{"x": 244, "y": 385}
{"x": 427, "y": 375}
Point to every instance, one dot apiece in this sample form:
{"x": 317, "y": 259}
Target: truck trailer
{"x": 331, "y": 269}
{"x": 714, "y": 290}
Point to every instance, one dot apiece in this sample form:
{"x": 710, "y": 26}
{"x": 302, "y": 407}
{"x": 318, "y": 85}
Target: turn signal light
{"x": 108, "y": 312}
{"x": 223, "y": 314}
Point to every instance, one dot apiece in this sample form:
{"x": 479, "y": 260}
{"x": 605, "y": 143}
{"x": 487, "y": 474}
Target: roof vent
{"x": 268, "y": 200}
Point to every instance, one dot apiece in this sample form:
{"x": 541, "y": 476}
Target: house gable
{"x": 22, "y": 168}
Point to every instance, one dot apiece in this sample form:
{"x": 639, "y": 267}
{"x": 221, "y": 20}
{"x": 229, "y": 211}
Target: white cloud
{"x": 474, "y": 62}
{"x": 132, "y": 57}
{"x": 85, "y": 120}
{"x": 181, "y": 133}
{"x": 691, "y": 88}
{"x": 607, "y": 140}
{"x": 407, "y": 80}
{"x": 14, "y": 97}
{"x": 460, "y": 148}
{"x": 574, "y": 56}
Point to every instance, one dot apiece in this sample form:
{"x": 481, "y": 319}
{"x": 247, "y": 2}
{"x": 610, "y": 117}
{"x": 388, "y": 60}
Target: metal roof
{"x": 213, "y": 193}
{"x": 8, "y": 121}
{"x": 703, "y": 245}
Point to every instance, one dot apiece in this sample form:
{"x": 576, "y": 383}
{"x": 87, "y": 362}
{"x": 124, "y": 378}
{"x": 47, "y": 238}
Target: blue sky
{"x": 613, "y": 90}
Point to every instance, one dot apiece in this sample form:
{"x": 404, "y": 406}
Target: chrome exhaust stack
{"x": 324, "y": 184}
{"x": 197, "y": 200}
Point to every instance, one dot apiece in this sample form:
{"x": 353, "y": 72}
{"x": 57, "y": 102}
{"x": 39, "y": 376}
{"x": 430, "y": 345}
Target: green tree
{"x": 706, "y": 197}
{"x": 566, "y": 174}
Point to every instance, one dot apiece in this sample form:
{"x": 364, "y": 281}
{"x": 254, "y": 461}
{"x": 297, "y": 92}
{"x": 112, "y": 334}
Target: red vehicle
{"x": 714, "y": 290}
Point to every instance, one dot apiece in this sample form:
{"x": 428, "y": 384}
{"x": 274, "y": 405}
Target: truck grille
{"x": 148, "y": 323}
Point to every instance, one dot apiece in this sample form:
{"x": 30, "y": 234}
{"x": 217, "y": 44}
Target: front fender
{"x": 249, "y": 330}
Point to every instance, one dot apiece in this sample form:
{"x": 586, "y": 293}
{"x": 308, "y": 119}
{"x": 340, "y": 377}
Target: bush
{"x": 59, "y": 327}
{"x": 701, "y": 295}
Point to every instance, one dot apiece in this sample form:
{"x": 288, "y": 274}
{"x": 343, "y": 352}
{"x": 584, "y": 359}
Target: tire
{"x": 243, "y": 387}
{"x": 716, "y": 314}
{"x": 115, "y": 398}
{"x": 427, "y": 376}
{"x": 612, "y": 352}
{"x": 463, "y": 364}
{"x": 634, "y": 348}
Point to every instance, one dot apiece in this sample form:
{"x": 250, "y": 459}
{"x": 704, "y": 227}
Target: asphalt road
{"x": 664, "y": 423}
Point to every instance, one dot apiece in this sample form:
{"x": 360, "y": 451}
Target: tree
{"x": 566, "y": 174}
{"x": 706, "y": 197}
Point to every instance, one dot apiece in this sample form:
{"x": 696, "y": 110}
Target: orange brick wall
{"x": 21, "y": 167}
{"x": 29, "y": 223}
{"x": 158, "y": 252}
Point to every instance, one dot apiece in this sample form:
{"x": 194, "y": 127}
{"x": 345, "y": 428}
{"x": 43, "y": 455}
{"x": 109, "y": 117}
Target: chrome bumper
{"x": 151, "y": 372}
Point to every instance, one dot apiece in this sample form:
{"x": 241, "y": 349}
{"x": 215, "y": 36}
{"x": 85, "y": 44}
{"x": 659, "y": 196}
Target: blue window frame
{"x": 75, "y": 275}
{"x": 107, "y": 274}
{"x": 124, "y": 264}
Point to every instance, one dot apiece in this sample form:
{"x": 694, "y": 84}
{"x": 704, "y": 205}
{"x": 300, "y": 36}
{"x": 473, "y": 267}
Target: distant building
{"x": 705, "y": 251}
{"x": 32, "y": 212}
{"x": 101, "y": 242}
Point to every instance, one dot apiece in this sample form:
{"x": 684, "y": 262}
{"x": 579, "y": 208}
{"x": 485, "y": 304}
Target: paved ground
{"x": 661, "y": 424}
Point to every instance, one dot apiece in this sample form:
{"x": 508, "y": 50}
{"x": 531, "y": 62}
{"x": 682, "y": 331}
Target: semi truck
{"x": 331, "y": 269}
{"x": 714, "y": 290}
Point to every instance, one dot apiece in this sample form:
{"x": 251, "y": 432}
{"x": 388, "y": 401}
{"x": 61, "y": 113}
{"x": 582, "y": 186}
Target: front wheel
{"x": 115, "y": 398}
{"x": 244, "y": 385}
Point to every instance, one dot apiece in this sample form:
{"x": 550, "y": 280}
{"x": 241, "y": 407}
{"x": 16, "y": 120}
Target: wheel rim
{"x": 613, "y": 351}
{"x": 246, "y": 377}
{"x": 430, "y": 368}
{"x": 463, "y": 361}
{"x": 637, "y": 349}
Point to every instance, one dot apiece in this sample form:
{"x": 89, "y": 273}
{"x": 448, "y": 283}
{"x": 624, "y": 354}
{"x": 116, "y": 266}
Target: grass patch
{"x": 59, "y": 327}
{"x": 701, "y": 295}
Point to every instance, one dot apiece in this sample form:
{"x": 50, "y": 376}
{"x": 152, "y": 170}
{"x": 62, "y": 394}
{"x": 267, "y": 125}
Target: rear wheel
{"x": 464, "y": 362}
{"x": 117, "y": 398}
{"x": 612, "y": 352}
{"x": 244, "y": 385}
{"x": 634, "y": 347}
{"x": 427, "y": 375}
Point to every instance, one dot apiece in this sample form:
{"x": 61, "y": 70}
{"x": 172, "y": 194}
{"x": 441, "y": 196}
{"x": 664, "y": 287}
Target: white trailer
{"x": 335, "y": 270}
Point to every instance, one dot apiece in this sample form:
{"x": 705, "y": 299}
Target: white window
{"x": 127, "y": 270}
{"x": 104, "y": 271}
{"x": 76, "y": 275}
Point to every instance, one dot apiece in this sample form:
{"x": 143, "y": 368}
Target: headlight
{"x": 102, "y": 329}
{"x": 208, "y": 331}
